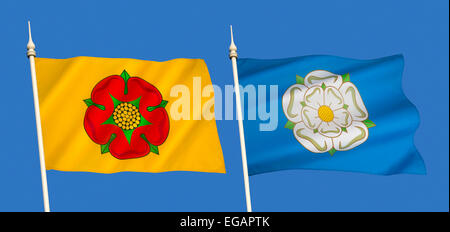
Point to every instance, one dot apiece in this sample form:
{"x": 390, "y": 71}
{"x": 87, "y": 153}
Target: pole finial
{"x": 30, "y": 45}
{"x": 233, "y": 48}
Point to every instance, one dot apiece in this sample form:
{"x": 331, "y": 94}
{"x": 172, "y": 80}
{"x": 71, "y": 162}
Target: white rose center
{"x": 326, "y": 114}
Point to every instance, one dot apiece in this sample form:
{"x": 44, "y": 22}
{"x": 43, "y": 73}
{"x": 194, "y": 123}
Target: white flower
{"x": 327, "y": 111}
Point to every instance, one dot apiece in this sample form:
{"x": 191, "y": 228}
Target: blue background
{"x": 263, "y": 29}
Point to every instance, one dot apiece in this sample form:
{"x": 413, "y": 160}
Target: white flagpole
{"x": 233, "y": 57}
{"x": 31, "y": 53}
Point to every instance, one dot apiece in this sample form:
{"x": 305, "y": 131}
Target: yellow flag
{"x": 111, "y": 115}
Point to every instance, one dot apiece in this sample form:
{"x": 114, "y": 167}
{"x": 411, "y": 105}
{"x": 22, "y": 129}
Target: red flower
{"x": 126, "y": 116}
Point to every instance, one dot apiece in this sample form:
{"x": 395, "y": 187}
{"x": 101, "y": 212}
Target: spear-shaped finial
{"x": 233, "y": 48}
{"x": 30, "y": 45}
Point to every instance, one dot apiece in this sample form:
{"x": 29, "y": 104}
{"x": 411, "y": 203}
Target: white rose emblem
{"x": 326, "y": 112}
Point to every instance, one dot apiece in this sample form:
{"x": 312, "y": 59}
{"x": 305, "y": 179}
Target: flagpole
{"x": 233, "y": 57}
{"x": 31, "y": 53}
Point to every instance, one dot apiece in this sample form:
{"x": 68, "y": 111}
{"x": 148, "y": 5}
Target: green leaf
{"x": 105, "y": 147}
{"x": 89, "y": 102}
{"x": 332, "y": 151}
{"x": 344, "y": 129}
{"x": 125, "y": 77}
{"x": 346, "y": 77}
{"x": 153, "y": 148}
{"x": 345, "y": 106}
{"x": 315, "y": 131}
{"x": 323, "y": 86}
{"x": 289, "y": 125}
{"x": 162, "y": 104}
{"x": 369, "y": 123}
{"x": 303, "y": 103}
{"x": 300, "y": 80}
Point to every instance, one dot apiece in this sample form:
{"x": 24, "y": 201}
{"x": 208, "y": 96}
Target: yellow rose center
{"x": 126, "y": 116}
{"x": 326, "y": 114}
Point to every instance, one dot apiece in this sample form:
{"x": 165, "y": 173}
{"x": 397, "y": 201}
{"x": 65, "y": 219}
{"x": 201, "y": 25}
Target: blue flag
{"x": 328, "y": 113}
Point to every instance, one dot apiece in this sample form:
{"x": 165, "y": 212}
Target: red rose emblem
{"x": 126, "y": 116}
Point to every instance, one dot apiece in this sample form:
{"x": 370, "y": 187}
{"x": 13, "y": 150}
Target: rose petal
{"x": 314, "y": 97}
{"x": 122, "y": 149}
{"x": 137, "y": 87}
{"x": 157, "y": 132}
{"x": 94, "y": 116}
{"x": 310, "y": 117}
{"x": 99, "y": 133}
{"x": 342, "y": 117}
{"x": 356, "y": 134}
{"x": 112, "y": 85}
{"x": 329, "y": 129}
{"x": 353, "y": 100}
{"x": 333, "y": 98}
{"x": 291, "y": 102}
{"x": 314, "y": 142}
{"x": 319, "y": 77}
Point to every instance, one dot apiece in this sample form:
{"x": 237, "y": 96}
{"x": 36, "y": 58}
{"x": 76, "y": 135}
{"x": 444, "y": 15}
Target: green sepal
{"x": 346, "y": 77}
{"x": 289, "y": 125}
{"x": 110, "y": 120}
{"x": 303, "y": 103}
{"x": 162, "y": 104}
{"x": 345, "y": 106}
{"x": 115, "y": 101}
{"x": 344, "y": 129}
{"x": 323, "y": 86}
{"x": 332, "y": 151}
{"x": 105, "y": 147}
{"x": 125, "y": 77}
{"x": 136, "y": 102}
{"x": 300, "y": 80}
{"x": 144, "y": 122}
{"x": 369, "y": 123}
{"x": 128, "y": 134}
{"x": 315, "y": 131}
{"x": 153, "y": 148}
{"x": 89, "y": 102}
